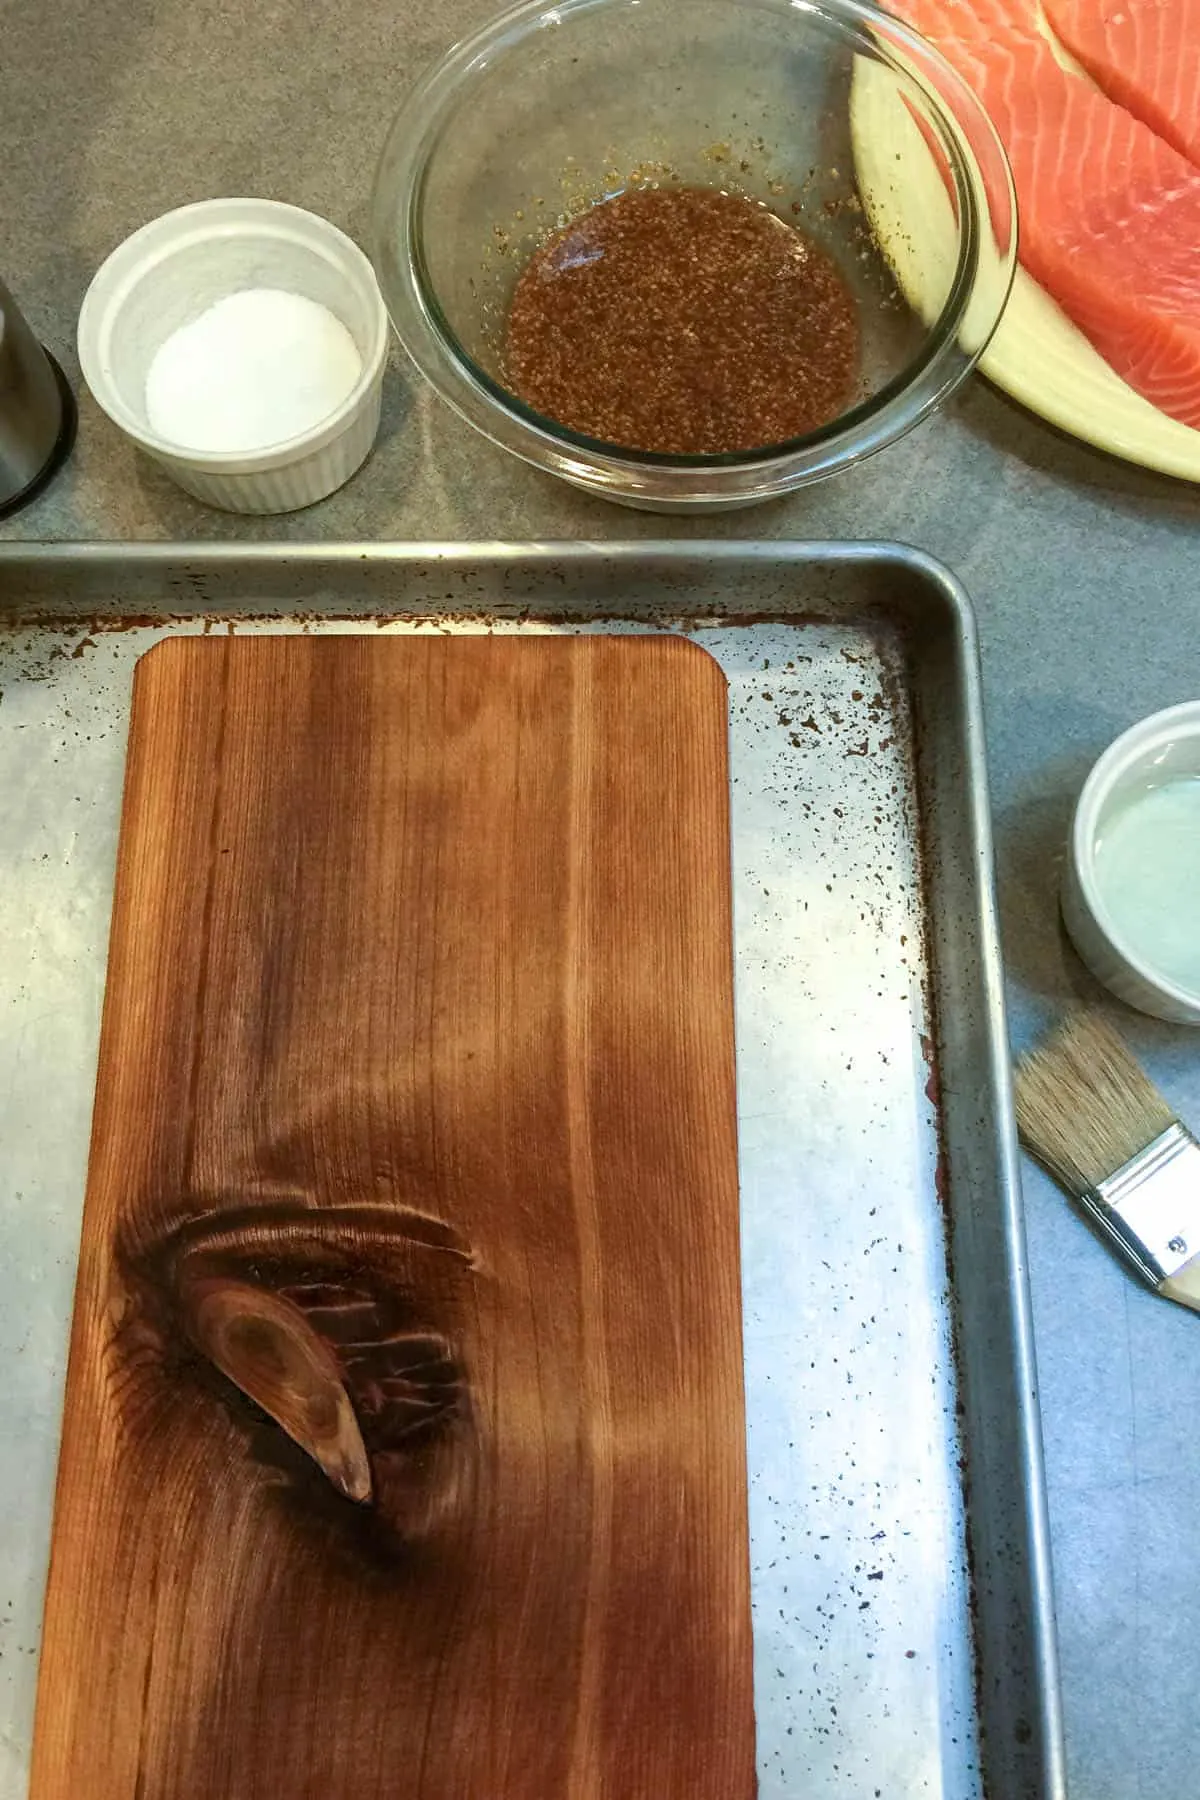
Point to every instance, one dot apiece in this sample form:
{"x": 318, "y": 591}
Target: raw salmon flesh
{"x": 1145, "y": 54}
{"x": 1109, "y": 211}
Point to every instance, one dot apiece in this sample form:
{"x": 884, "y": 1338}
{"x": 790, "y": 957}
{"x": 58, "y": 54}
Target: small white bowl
{"x": 171, "y": 271}
{"x": 1163, "y": 747}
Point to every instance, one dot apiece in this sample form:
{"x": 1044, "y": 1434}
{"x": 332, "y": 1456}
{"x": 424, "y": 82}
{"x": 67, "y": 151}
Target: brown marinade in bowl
{"x": 683, "y": 320}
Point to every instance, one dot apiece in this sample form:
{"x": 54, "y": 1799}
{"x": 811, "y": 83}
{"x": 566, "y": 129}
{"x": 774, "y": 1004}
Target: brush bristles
{"x": 1084, "y": 1106}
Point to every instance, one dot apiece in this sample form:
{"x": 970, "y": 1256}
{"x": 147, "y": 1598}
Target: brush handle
{"x": 1184, "y": 1286}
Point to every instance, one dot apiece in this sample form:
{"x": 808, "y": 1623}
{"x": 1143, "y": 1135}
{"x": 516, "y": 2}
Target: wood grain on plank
{"x": 416, "y": 1098}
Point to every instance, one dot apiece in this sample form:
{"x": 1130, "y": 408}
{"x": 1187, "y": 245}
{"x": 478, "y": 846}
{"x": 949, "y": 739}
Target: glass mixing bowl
{"x": 549, "y": 109}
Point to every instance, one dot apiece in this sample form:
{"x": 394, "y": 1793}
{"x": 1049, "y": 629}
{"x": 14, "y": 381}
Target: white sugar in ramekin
{"x": 174, "y": 269}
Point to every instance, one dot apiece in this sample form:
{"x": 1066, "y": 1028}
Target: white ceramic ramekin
{"x": 1161, "y": 748}
{"x": 168, "y": 273}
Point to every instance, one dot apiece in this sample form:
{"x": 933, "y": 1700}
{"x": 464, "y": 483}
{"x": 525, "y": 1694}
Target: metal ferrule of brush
{"x": 1151, "y": 1206}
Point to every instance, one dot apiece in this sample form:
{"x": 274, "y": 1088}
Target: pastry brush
{"x": 1094, "y": 1119}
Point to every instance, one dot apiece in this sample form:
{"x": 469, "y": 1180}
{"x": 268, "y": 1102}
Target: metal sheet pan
{"x": 903, "y": 1617}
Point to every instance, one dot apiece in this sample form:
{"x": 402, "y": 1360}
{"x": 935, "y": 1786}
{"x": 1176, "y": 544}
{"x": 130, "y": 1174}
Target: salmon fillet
{"x": 1109, "y": 213}
{"x": 1145, "y": 54}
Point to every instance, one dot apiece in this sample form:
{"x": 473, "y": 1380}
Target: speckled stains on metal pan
{"x": 903, "y": 1620}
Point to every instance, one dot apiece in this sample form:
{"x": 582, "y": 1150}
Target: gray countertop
{"x": 1085, "y": 574}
